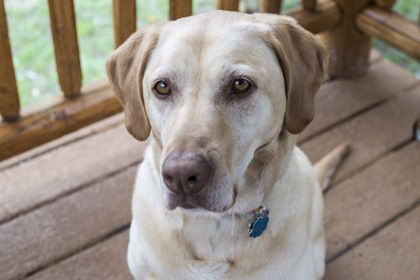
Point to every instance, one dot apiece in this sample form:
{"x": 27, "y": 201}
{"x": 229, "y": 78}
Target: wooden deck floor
{"x": 65, "y": 207}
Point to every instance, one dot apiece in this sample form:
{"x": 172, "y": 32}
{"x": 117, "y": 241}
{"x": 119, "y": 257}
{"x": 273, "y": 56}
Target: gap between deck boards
{"x": 374, "y": 231}
{"x": 56, "y": 231}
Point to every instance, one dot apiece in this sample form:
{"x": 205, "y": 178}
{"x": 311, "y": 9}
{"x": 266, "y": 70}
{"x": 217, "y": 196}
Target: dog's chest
{"x": 222, "y": 246}
{"x": 213, "y": 241}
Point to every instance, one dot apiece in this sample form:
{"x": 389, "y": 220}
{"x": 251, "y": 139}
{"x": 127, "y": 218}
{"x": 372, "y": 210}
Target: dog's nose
{"x": 187, "y": 173}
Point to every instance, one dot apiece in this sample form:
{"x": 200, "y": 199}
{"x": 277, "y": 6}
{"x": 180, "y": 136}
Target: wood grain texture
{"x": 391, "y": 28}
{"x": 9, "y": 99}
{"x": 349, "y": 48}
{"x": 391, "y": 254}
{"x": 84, "y": 132}
{"x": 364, "y": 202}
{"x": 106, "y": 261}
{"x": 66, "y": 48}
{"x": 338, "y": 100}
{"x": 179, "y": 9}
{"x": 228, "y": 5}
{"x": 124, "y": 16}
{"x": 66, "y": 226}
{"x": 65, "y": 117}
{"x": 385, "y": 4}
{"x": 309, "y": 4}
{"x": 26, "y": 186}
{"x": 270, "y": 6}
{"x": 372, "y": 134}
{"x": 326, "y": 16}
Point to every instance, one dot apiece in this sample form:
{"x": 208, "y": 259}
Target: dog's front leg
{"x": 136, "y": 262}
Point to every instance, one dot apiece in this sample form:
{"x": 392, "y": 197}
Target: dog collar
{"x": 257, "y": 226}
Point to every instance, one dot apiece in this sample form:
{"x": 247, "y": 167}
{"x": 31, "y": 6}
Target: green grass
{"x": 33, "y": 51}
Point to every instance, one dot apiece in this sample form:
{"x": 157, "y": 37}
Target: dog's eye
{"x": 162, "y": 88}
{"x": 241, "y": 86}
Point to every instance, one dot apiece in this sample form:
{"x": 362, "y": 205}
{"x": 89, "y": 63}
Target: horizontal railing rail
{"x": 347, "y": 25}
{"x": 392, "y": 29}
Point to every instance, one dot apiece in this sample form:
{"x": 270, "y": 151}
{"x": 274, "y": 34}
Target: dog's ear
{"x": 303, "y": 60}
{"x": 125, "y": 68}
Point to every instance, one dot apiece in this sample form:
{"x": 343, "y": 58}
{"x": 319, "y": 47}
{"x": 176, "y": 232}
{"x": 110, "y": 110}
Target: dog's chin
{"x": 199, "y": 203}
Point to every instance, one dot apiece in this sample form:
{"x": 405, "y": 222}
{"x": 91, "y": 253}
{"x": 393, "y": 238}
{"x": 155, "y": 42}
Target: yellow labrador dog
{"x": 223, "y": 192}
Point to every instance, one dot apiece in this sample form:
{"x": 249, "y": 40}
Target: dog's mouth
{"x": 187, "y": 205}
{"x": 206, "y": 201}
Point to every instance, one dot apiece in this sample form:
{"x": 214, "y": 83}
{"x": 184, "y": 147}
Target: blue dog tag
{"x": 258, "y": 225}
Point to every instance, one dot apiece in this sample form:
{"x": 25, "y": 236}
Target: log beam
{"x": 391, "y": 28}
{"x": 309, "y": 4}
{"x": 65, "y": 117}
{"x": 385, "y": 4}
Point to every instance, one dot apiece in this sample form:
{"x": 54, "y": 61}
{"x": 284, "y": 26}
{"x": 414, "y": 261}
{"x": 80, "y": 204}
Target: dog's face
{"x": 216, "y": 91}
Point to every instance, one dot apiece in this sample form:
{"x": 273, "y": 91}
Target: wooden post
{"x": 9, "y": 99}
{"x": 349, "y": 48}
{"x": 63, "y": 29}
{"x": 179, "y": 9}
{"x": 385, "y": 4}
{"x": 124, "y": 15}
{"x": 270, "y": 6}
{"x": 309, "y": 4}
{"x": 228, "y": 5}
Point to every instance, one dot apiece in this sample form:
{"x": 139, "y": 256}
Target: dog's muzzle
{"x": 185, "y": 175}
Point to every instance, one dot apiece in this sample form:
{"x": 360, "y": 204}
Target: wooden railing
{"x": 347, "y": 26}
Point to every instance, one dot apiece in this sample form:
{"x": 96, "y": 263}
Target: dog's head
{"x": 216, "y": 91}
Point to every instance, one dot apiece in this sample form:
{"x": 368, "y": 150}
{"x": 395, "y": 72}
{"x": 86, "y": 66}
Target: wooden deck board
{"x": 52, "y": 232}
{"x": 393, "y": 253}
{"x": 65, "y": 169}
{"x": 63, "y": 141}
{"x": 367, "y": 200}
{"x": 65, "y": 207}
{"x": 105, "y": 261}
{"x": 371, "y": 134}
{"x": 338, "y": 100}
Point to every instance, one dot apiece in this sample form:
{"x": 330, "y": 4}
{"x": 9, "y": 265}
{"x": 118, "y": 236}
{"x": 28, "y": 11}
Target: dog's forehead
{"x": 219, "y": 32}
{"x": 216, "y": 40}
{"x": 215, "y": 20}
